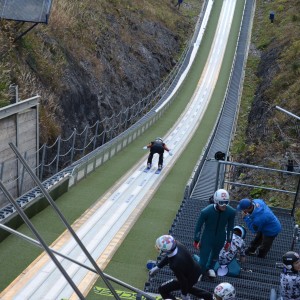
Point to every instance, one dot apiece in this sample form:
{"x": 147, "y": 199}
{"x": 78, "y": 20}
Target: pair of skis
{"x": 146, "y": 170}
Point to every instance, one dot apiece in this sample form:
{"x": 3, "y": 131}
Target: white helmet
{"x": 166, "y": 243}
{"x": 225, "y": 291}
{"x": 221, "y": 197}
{"x": 242, "y": 230}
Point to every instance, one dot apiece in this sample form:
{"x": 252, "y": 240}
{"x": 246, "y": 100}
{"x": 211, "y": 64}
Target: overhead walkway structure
{"x": 30, "y": 11}
{"x": 258, "y": 276}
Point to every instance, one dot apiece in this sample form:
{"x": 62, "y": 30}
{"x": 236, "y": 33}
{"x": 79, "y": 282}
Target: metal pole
{"x": 58, "y": 153}
{"x": 256, "y": 167}
{"x": 296, "y": 198}
{"x": 85, "y": 139}
{"x": 22, "y": 177}
{"x": 43, "y": 162}
{"x": 52, "y": 203}
{"x": 217, "y": 177}
{"x": 17, "y": 93}
{"x": 287, "y": 112}
{"x": 96, "y": 134}
{"x": 44, "y": 245}
{"x": 298, "y": 187}
{"x": 73, "y": 145}
{"x": 36, "y": 243}
{"x": 22, "y": 34}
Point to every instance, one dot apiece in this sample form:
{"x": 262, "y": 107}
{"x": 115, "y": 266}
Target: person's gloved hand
{"x": 196, "y": 245}
{"x": 227, "y": 246}
{"x": 145, "y": 148}
{"x": 153, "y": 271}
{"x": 185, "y": 297}
{"x": 170, "y": 153}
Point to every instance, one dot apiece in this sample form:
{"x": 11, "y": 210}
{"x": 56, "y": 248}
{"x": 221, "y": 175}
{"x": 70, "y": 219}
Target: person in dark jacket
{"x": 157, "y": 146}
{"x": 218, "y": 221}
{"x": 185, "y": 269}
{"x": 262, "y": 222}
{"x": 290, "y": 277}
{"x": 179, "y": 2}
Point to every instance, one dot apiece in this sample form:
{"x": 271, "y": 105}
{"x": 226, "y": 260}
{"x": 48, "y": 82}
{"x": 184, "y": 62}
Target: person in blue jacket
{"x": 262, "y": 222}
{"x": 218, "y": 221}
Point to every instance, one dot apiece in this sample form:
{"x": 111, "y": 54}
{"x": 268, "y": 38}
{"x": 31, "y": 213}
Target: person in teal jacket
{"x": 262, "y": 222}
{"x": 218, "y": 221}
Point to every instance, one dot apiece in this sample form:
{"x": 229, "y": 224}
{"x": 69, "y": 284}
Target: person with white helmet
{"x": 185, "y": 269}
{"x": 224, "y": 291}
{"x": 157, "y": 146}
{"x": 218, "y": 221}
{"x": 227, "y": 258}
{"x": 290, "y": 277}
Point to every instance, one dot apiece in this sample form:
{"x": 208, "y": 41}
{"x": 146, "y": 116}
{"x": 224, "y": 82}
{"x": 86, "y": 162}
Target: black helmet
{"x": 159, "y": 139}
{"x": 289, "y": 258}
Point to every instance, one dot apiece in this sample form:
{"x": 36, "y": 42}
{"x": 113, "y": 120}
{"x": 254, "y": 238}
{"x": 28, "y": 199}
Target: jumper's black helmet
{"x": 289, "y": 258}
{"x": 159, "y": 139}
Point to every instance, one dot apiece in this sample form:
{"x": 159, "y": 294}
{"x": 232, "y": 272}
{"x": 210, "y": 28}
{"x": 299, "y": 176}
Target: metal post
{"x": 43, "y": 161}
{"x": 96, "y": 134}
{"x": 298, "y": 187}
{"x": 73, "y": 145}
{"x": 296, "y": 198}
{"x": 287, "y": 112}
{"x": 17, "y": 93}
{"x": 38, "y": 244}
{"x": 58, "y": 153}
{"x": 217, "y": 177}
{"x": 44, "y": 245}
{"x": 22, "y": 34}
{"x": 103, "y": 137}
{"x": 52, "y": 203}
{"x": 22, "y": 177}
{"x": 1, "y": 170}
{"x": 295, "y": 237}
{"x": 85, "y": 139}
{"x": 37, "y": 138}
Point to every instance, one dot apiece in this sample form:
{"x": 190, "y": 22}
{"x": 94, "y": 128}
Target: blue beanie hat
{"x": 244, "y": 204}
